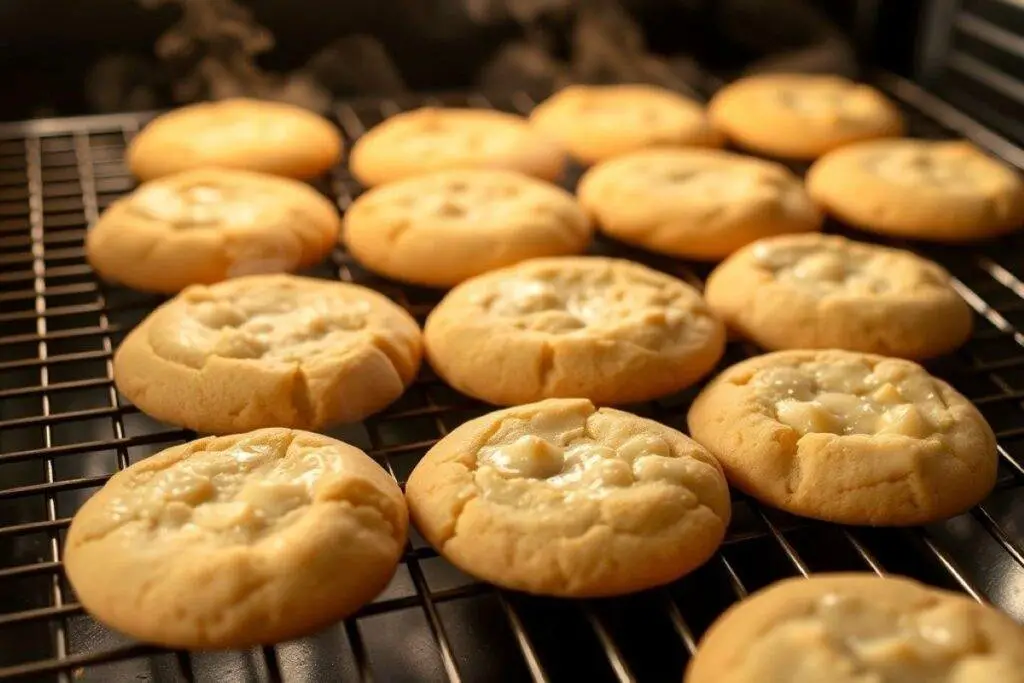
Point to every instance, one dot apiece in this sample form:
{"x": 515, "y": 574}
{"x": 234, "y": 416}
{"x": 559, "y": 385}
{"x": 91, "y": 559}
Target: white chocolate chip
{"x": 852, "y": 398}
{"x": 807, "y": 417}
{"x": 530, "y": 469}
{"x": 528, "y": 456}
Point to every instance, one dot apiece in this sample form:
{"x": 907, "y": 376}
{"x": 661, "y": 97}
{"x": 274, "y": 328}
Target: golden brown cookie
{"x": 444, "y": 227}
{"x": 238, "y": 540}
{"x": 604, "y": 329}
{"x": 598, "y": 122}
{"x": 937, "y": 191}
{"x": 700, "y": 204}
{"x": 824, "y": 291}
{"x": 208, "y": 225}
{"x": 269, "y": 351}
{"x": 846, "y": 437}
{"x": 433, "y": 139}
{"x": 798, "y": 116}
{"x": 252, "y": 135}
{"x": 859, "y": 628}
{"x": 560, "y": 498}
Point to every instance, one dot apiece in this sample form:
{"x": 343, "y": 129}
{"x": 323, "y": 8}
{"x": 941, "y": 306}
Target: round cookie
{"x": 208, "y": 225}
{"x": 239, "y": 540}
{"x": 269, "y": 351}
{"x": 699, "y": 204}
{"x": 846, "y": 437}
{"x": 859, "y": 628}
{"x": 938, "y": 191}
{"x": 801, "y": 116}
{"x": 824, "y": 291}
{"x": 445, "y": 227}
{"x": 254, "y": 135}
{"x": 605, "y": 329}
{"x": 560, "y": 498}
{"x": 597, "y": 122}
{"x": 433, "y": 139}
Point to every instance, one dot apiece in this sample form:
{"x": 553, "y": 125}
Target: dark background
{"x": 48, "y": 48}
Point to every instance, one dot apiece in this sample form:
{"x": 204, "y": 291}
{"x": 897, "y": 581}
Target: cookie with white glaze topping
{"x": 824, "y": 291}
{"x": 444, "y": 227}
{"x": 935, "y": 191}
{"x": 239, "y": 133}
{"x": 269, "y": 351}
{"x": 240, "y": 540}
{"x": 699, "y": 204}
{"x": 207, "y": 225}
{"x": 437, "y": 139}
{"x": 846, "y": 437}
{"x": 801, "y": 116}
{"x": 561, "y": 498}
{"x": 605, "y": 329}
{"x": 855, "y": 628}
{"x": 598, "y": 122}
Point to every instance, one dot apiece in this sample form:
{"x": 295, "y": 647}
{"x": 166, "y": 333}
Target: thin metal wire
{"x": 35, "y": 184}
{"x": 679, "y": 624}
{"x": 615, "y": 658}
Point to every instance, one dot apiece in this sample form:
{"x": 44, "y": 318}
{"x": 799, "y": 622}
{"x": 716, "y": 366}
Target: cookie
{"x": 560, "y": 498}
{"x": 598, "y": 122}
{"x": 445, "y": 227}
{"x": 698, "y": 204}
{"x": 797, "y": 116}
{"x": 434, "y": 139}
{"x": 938, "y": 191}
{"x": 824, "y": 291}
{"x": 605, "y": 329}
{"x": 253, "y": 135}
{"x": 239, "y": 540}
{"x": 269, "y": 351}
{"x": 208, "y": 225}
{"x": 859, "y": 628}
{"x": 846, "y": 437}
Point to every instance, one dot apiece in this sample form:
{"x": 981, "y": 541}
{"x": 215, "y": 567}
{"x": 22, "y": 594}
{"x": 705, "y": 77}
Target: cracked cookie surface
{"x": 846, "y": 437}
{"x": 268, "y": 137}
{"x": 269, "y": 350}
{"x": 237, "y": 540}
{"x": 209, "y": 225}
{"x": 702, "y": 204}
{"x": 560, "y": 498}
{"x": 436, "y": 139}
{"x": 595, "y": 123}
{"x": 801, "y": 116}
{"x": 939, "y": 191}
{"x": 605, "y": 329}
{"x": 824, "y": 291}
{"x": 442, "y": 228}
{"x": 859, "y": 628}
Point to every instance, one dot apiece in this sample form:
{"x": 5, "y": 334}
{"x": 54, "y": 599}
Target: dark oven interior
{"x": 64, "y": 428}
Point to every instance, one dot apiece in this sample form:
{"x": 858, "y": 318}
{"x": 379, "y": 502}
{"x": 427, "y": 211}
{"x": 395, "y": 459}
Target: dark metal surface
{"x": 64, "y": 429}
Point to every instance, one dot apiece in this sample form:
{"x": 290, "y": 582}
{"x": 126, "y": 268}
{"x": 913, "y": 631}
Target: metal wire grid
{"x": 64, "y": 429}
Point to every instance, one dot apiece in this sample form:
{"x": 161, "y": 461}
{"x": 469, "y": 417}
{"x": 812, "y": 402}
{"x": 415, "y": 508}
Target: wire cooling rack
{"x": 64, "y": 430}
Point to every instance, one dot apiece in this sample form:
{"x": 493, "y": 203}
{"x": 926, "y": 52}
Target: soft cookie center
{"x": 824, "y": 271}
{"x": 565, "y": 303}
{"x": 531, "y": 469}
{"x": 469, "y": 200}
{"x": 850, "y": 634}
{"x": 853, "y": 398}
{"x": 831, "y": 105}
{"x": 236, "y": 494}
{"x": 280, "y": 324}
{"x": 921, "y": 167}
{"x": 444, "y": 138}
{"x": 201, "y": 205}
